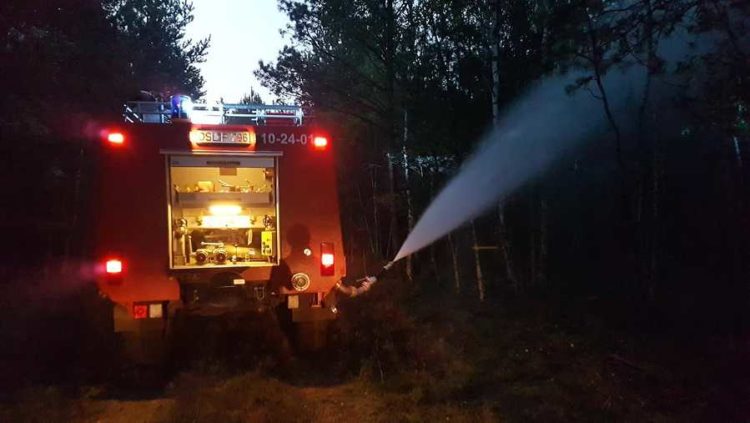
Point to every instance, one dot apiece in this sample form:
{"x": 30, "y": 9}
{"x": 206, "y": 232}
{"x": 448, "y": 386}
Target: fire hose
{"x": 365, "y": 283}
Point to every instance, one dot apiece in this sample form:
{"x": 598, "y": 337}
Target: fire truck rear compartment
{"x": 223, "y": 211}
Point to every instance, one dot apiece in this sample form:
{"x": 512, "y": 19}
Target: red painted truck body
{"x": 137, "y": 190}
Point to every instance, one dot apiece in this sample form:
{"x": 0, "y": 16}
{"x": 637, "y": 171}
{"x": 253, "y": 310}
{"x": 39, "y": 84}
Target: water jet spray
{"x": 541, "y": 128}
{"x": 515, "y": 151}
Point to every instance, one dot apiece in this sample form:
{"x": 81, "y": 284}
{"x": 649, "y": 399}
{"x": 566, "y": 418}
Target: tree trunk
{"x": 407, "y": 192}
{"x": 737, "y": 152}
{"x": 627, "y": 231}
{"x": 393, "y": 227}
{"x": 495, "y": 84}
{"x": 454, "y": 259}
{"x": 375, "y": 222}
{"x": 655, "y": 217}
{"x": 496, "y": 65}
{"x": 434, "y": 263}
{"x": 597, "y": 58}
{"x": 389, "y": 53}
{"x": 433, "y": 247}
{"x": 740, "y": 270}
{"x": 371, "y": 235}
{"x": 505, "y": 248}
{"x": 532, "y": 257}
{"x": 477, "y": 262}
{"x": 542, "y": 262}
{"x": 364, "y": 262}
{"x": 533, "y": 239}
{"x": 647, "y": 223}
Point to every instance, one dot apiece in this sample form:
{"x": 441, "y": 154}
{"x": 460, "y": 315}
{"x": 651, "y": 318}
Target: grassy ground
{"x": 423, "y": 358}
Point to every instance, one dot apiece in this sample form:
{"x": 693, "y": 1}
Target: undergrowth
{"x": 398, "y": 355}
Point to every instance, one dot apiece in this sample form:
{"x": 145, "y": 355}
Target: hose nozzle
{"x": 383, "y": 270}
{"x": 365, "y": 283}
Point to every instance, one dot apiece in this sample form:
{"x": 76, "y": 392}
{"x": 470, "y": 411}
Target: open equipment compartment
{"x": 223, "y": 211}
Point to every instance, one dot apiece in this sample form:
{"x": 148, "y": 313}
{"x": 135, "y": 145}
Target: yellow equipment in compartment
{"x": 268, "y": 243}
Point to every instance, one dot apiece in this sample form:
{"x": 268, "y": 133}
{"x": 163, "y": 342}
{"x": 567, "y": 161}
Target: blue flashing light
{"x": 182, "y": 106}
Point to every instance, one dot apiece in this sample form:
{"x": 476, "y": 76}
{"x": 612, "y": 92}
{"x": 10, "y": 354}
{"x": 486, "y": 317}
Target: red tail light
{"x": 116, "y": 138}
{"x": 113, "y": 266}
{"x": 327, "y": 259}
{"x": 320, "y": 143}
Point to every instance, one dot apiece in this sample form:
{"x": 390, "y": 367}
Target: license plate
{"x": 199, "y": 136}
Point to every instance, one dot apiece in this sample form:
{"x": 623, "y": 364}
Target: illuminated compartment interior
{"x": 223, "y": 212}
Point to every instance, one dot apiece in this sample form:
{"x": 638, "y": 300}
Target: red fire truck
{"x": 204, "y": 209}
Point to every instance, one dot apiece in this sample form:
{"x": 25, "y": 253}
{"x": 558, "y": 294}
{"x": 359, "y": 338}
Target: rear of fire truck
{"x": 208, "y": 210}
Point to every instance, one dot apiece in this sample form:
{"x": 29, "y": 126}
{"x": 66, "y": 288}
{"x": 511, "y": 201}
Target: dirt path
{"x": 326, "y": 404}
{"x": 117, "y": 411}
{"x": 342, "y": 403}
{"x": 252, "y": 399}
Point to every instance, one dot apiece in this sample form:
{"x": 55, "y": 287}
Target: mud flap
{"x": 312, "y": 327}
{"x": 142, "y": 341}
{"x": 312, "y": 314}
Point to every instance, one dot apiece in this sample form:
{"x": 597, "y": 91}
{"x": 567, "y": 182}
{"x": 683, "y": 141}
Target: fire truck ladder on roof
{"x": 215, "y": 113}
